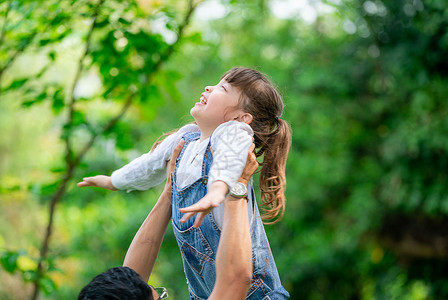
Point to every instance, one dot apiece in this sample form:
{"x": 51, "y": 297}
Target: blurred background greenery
{"x": 86, "y": 86}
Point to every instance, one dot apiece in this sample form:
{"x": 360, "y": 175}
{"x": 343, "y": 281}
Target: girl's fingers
{"x": 189, "y": 209}
{"x": 197, "y": 207}
{"x": 186, "y": 217}
{"x": 84, "y": 183}
{"x": 199, "y": 218}
{"x": 186, "y": 209}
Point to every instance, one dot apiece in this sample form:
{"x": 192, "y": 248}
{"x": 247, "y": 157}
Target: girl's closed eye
{"x": 225, "y": 89}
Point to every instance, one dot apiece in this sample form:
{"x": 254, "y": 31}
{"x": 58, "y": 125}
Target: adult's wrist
{"x": 235, "y": 199}
{"x": 166, "y": 194}
{"x": 245, "y": 178}
{"x": 243, "y": 181}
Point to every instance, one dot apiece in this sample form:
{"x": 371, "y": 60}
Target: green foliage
{"x": 365, "y": 89}
{"x": 8, "y": 260}
{"x": 19, "y": 261}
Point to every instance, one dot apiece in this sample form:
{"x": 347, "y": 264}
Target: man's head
{"x": 117, "y": 283}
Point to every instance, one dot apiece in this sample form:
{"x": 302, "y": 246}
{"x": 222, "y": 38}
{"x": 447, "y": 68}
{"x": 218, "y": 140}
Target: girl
{"x": 243, "y": 104}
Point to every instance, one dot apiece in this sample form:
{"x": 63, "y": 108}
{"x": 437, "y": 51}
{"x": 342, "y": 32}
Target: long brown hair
{"x": 272, "y": 135}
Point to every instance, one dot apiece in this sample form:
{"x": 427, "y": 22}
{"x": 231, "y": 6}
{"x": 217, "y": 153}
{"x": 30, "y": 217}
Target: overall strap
{"x": 253, "y": 207}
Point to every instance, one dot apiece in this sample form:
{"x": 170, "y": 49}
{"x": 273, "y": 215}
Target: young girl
{"x": 243, "y": 104}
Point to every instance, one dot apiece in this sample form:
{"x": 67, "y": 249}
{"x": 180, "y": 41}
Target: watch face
{"x": 239, "y": 189}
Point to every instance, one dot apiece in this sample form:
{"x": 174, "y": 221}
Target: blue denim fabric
{"x": 199, "y": 246}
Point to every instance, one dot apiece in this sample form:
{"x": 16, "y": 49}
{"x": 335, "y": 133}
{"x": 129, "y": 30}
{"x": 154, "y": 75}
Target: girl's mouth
{"x": 203, "y": 100}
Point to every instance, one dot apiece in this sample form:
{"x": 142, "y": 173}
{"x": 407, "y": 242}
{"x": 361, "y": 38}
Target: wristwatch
{"x": 239, "y": 190}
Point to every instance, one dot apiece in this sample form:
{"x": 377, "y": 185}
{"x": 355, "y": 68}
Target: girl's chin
{"x": 194, "y": 112}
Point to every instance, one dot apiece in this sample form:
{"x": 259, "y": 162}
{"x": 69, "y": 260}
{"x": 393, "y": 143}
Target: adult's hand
{"x": 170, "y": 167}
{"x": 251, "y": 166}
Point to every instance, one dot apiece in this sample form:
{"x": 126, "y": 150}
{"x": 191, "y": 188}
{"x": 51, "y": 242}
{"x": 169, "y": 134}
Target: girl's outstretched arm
{"x": 145, "y": 246}
{"x": 101, "y": 181}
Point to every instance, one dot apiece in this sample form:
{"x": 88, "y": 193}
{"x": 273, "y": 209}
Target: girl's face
{"x": 218, "y": 104}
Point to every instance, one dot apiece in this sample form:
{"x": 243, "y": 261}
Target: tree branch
{"x": 68, "y": 159}
{"x": 71, "y": 105}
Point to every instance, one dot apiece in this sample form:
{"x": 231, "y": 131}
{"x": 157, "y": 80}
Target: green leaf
{"x": 49, "y": 189}
{"x": 124, "y": 21}
{"x": 102, "y": 23}
{"x": 29, "y": 276}
{"x": 195, "y": 38}
{"x": 44, "y": 42}
{"x": 28, "y": 103}
{"x": 47, "y": 284}
{"x": 17, "y": 83}
{"x": 58, "y": 101}
{"x": 57, "y": 20}
{"x": 58, "y": 169}
{"x": 52, "y": 55}
{"x": 37, "y": 99}
{"x": 8, "y": 260}
{"x": 78, "y": 118}
{"x": 41, "y": 96}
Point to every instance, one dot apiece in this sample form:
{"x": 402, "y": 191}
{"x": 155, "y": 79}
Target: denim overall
{"x": 199, "y": 246}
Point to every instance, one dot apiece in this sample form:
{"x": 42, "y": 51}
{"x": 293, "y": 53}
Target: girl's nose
{"x": 208, "y": 88}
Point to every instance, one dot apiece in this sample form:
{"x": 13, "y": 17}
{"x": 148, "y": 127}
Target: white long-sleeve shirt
{"x": 230, "y": 143}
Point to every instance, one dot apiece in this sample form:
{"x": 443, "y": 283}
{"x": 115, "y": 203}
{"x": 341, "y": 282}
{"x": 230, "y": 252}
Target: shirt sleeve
{"x": 149, "y": 169}
{"x": 230, "y": 143}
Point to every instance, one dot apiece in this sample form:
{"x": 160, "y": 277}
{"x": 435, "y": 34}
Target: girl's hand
{"x": 212, "y": 199}
{"x": 101, "y": 181}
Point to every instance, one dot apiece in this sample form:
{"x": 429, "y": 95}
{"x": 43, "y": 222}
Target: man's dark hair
{"x": 120, "y": 283}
